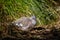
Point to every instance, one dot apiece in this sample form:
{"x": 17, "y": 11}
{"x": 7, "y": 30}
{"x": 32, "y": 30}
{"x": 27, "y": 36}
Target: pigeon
{"x": 25, "y": 23}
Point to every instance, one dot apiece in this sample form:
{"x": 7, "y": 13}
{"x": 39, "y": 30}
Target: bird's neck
{"x": 33, "y": 21}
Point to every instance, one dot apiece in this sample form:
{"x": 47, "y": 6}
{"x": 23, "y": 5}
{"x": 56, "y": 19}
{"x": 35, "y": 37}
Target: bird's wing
{"x": 26, "y": 22}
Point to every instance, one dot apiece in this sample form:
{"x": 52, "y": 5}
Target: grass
{"x": 42, "y": 9}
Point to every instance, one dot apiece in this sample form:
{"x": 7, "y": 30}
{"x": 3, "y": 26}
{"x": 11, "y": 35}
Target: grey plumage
{"x": 25, "y": 23}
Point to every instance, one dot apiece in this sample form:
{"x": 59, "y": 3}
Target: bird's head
{"x": 33, "y": 17}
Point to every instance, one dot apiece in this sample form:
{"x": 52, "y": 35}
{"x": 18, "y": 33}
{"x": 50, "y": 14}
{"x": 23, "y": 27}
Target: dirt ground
{"x": 46, "y": 32}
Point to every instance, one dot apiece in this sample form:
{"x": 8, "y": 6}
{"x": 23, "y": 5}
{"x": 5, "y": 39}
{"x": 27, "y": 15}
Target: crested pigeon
{"x": 25, "y": 23}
